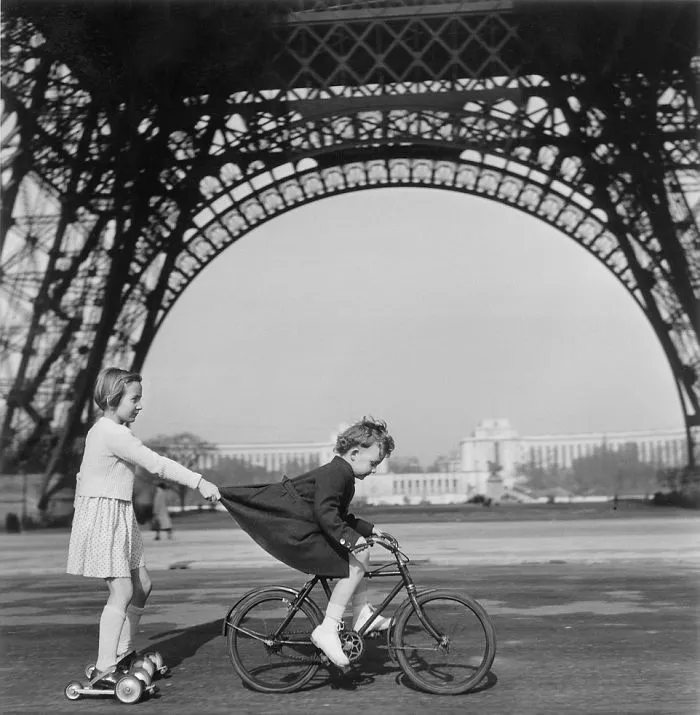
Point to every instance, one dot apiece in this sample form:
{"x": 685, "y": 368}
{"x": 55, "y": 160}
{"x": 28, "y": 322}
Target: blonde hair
{"x": 110, "y": 386}
{"x": 365, "y": 433}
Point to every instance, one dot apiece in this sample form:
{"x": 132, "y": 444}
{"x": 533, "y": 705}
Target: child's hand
{"x": 208, "y": 490}
{"x": 360, "y": 543}
{"x": 386, "y": 537}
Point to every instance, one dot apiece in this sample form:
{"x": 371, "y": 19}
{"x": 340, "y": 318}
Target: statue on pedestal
{"x": 494, "y": 483}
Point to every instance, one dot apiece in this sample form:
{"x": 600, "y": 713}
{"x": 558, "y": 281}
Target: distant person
{"x": 105, "y": 539}
{"x": 304, "y": 522}
{"x": 161, "y": 515}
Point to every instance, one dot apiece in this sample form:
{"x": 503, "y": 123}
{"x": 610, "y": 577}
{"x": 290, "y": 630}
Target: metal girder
{"x": 321, "y": 12}
{"x": 119, "y": 199}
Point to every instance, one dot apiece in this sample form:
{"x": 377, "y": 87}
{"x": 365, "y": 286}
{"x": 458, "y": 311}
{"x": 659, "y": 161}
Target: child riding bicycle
{"x": 304, "y": 522}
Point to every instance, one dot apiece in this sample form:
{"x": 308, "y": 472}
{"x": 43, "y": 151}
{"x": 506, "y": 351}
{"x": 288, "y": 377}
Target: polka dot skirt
{"x": 105, "y": 540}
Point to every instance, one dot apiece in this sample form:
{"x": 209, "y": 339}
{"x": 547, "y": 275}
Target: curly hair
{"x": 365, "y": 433}
{"x": 110, "y": 386}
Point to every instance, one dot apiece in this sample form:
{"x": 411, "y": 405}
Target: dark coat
{"x": 303, "y": 522}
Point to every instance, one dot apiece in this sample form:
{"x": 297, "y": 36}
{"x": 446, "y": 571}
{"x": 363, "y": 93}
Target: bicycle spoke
{"x": 462, "y": 657}
{"x": 444, "y": 641}
{"x": 269, "y": 662}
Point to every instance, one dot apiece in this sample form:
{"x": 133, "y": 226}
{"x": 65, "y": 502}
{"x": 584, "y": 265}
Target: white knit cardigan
{"x": 112, "y": 453}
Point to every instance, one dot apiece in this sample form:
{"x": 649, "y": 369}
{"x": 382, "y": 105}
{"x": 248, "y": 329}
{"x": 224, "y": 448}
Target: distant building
{"x": 488, "y": 459}
{"x": 661, "y": 448}
{"x": 494, "y": 440}
{"x": 273, "y": 456}
{"x": 276, "y": 457}
{"x": 432, "y": 488}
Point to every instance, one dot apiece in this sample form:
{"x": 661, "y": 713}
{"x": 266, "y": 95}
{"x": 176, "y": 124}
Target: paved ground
{"x": 444, "y": 544}
{"x": 600, "y": 618}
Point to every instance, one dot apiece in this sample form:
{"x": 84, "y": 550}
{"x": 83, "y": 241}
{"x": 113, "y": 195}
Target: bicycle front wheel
{"x": 460, "y": 657}
{"x": 266, "y": 660}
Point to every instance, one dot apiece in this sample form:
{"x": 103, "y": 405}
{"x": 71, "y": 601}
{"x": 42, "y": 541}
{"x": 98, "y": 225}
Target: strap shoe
{"x": 327, "y": 640}
{"x": 380, "y": 623}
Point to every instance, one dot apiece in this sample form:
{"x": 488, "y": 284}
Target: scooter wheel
{"x": 157, "y": 659}
{"x": 144, "y": 664}
{"x": 129, "y": 689}
{"x": 143, "y": 675}
{"x": 72, "y": 690}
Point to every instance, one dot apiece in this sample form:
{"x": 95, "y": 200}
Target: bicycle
{"x": 443, "y": 641}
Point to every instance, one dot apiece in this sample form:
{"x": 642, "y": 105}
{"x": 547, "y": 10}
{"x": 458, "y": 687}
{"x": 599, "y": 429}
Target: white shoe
{"x": 328, "y": 641}
{"x": 380, "y": 623}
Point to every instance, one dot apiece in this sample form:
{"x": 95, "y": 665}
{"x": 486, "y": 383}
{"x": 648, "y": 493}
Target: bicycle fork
{"x": 442, "y": 640}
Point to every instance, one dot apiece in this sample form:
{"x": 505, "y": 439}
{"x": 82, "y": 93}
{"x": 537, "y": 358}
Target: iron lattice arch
{"x": 115, "y": 201}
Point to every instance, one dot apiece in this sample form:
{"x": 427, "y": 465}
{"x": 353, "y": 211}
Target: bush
{"x": 29, "y": 523}
{"x": 509, "y": 497}
{"x": 687, "y": 500}
{"x": 12, "y": 523}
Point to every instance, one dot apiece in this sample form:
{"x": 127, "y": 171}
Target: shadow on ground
{"x": 179, "y": 645}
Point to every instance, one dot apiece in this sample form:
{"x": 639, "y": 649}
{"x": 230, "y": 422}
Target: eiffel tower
{"x": 140, "y": 140}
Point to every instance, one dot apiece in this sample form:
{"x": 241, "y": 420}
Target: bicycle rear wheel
{"x": 461, "y": 658}
{"x": 267, "y": 662}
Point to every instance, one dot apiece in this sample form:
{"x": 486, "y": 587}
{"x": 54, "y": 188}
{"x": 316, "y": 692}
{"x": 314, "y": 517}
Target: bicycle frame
{"x": 406, "y": 583}
{"x": 427, "y": 660}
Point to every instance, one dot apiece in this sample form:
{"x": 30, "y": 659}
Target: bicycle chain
{"x": 316, "y": 660}
{"x": 300, "y": 659}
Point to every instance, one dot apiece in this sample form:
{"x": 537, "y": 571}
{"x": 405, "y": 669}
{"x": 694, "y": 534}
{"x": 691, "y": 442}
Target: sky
{"x": 430, "y": 309}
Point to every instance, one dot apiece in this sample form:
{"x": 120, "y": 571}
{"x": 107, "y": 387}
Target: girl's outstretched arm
{"x": 125, "y": 445}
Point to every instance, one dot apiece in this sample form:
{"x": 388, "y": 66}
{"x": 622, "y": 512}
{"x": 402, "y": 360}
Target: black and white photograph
{"x": 350, "y": 357}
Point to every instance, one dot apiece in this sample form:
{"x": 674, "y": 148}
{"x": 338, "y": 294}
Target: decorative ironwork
{"x": 114, "y": 202}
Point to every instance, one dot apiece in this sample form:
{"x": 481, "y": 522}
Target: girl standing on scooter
{"x": 105, "y": 538}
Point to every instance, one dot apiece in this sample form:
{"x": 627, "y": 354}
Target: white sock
{"x": 360, "y": 599}
{"x": 131, "y": 624}
{"x": 334, "y": 615}
{"x": 111, "y": 623}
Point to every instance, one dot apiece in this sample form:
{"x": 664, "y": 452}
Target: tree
{"x": 542, "y": 478}
{"x": 405, "y": 465}
{"x": 445, "y": 463}
{"x": 613, "y": 471}
{"x": 232, "y": 471}
{"x": 229, "y": 471}
{"x": 66, "y": 477}
{"x": 295, "y": 467}
{"x": 185, "y": 448}
{"x": 606, "y": 471}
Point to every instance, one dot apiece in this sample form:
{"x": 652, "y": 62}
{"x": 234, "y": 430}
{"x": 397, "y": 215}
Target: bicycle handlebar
{"x": 389, "y": 542}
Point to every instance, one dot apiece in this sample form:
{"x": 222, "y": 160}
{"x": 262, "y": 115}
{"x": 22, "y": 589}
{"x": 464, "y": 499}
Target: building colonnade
{"x": 493, "y": 452}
